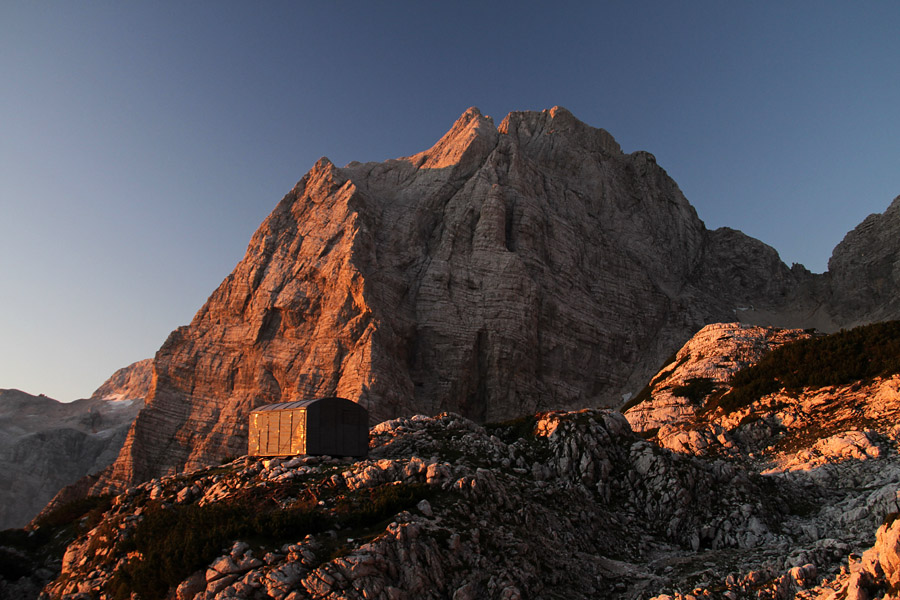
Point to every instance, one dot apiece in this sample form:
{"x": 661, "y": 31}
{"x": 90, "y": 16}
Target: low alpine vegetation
{"x": 859, "y": 354}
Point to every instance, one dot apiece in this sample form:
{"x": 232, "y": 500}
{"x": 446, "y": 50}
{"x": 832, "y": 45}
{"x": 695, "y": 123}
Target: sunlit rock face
{"x": 713, "y": 354}
{"x": 504, "y": 271}
{"x": 786, "y": 430}
{"x": 46, "y": 444}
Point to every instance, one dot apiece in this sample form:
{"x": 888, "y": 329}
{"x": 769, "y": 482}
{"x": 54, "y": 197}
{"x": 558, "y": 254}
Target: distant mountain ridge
{"x": 504, "y": 271}
{"x": 46, "y": 444}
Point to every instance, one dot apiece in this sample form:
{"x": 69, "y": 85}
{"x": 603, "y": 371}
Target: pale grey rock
{"x": 485, "y": 531}
{"x": 836, "y": 446}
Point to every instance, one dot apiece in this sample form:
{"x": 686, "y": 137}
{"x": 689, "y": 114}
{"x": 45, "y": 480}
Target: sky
{"x": 141, "y": 144}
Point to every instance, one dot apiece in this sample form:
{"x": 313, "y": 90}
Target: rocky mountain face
{"x": 45, "y": 444}
{"x": 865, "y": 269}
{"x": 504, "y": 271}
{"x": 791, "y": 495}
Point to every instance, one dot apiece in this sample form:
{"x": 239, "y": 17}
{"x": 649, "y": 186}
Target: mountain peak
{"x": 472, "y": 137}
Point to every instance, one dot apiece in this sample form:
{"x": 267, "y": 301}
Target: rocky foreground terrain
{"x": 509, "y": 269}
{"x": 46, "y": 444}
{"x": 708, "y": 493}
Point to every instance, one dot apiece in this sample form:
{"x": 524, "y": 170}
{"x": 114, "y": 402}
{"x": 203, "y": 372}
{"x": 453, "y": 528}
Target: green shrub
{"x": 695, "y": 388}
{"x": 862, "y": 353}
{"x": 91, "y": 506}
{"x": 514, "y": 429}
{"x": 174, "y": 543}
{"x": 177, "y": 540}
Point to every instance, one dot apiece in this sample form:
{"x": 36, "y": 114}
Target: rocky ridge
{"x": 563, "y": 505}
{"x": 46, "y": 444}
{"x": 128, "y": 383}
{"x": 508, "y": 269}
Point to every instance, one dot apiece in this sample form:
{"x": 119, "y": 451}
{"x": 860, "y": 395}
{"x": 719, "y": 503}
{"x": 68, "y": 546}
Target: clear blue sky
{"x": 141, "y": 144}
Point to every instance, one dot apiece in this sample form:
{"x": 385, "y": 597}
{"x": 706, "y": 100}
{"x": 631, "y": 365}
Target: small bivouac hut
{"x": 332, "y": 426}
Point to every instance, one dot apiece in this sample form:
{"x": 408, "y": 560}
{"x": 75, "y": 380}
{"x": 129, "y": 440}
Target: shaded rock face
{"x": 505, "y": 270}
{"x": 45, "y": 444}
{"x": 865, "y": 269}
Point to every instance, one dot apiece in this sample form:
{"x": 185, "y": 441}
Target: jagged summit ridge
{"x": 472, "y": 132}
{"x": 503, "y": 271}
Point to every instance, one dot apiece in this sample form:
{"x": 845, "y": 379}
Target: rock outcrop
{"x": 836, "y": 443}
{"x": 506, "y": 270}
{"x": 46, "y": 445}
{"x": 770, "y": 496}
{"x": 709, "y": 359}
{"x": 787, "y": 429}
{"x": 567, "y": 505}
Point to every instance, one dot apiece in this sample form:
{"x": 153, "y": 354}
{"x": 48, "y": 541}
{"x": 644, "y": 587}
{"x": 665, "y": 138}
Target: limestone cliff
{"x": 128, "y": 383}
{"x": 504, "y": 271}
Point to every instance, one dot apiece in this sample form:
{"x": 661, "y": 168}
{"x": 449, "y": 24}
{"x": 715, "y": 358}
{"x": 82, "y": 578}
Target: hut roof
{"x": 297, "y": 404}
